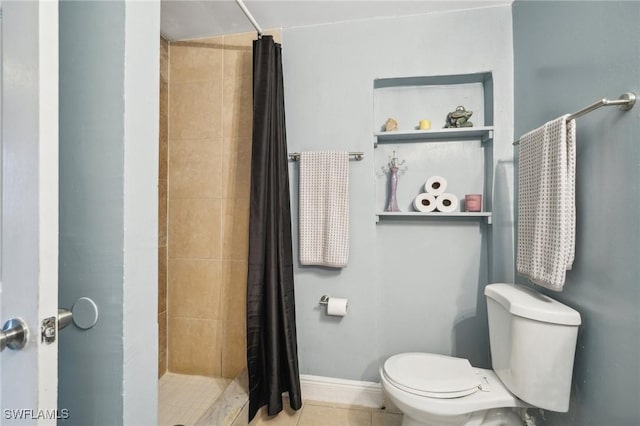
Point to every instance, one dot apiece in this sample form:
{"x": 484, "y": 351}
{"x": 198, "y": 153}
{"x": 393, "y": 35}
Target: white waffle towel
{"x": 546, "y": 205}
{"x": 324, "y": 208}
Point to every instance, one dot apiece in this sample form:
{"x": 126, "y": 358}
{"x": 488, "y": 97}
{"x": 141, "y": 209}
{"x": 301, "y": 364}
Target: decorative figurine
{"x": 390, "y": 125}
{"x": 394, "y": 168}
{"x": 424, "y": 125}
{"x": 459, "y": 118}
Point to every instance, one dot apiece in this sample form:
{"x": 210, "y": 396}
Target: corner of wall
{"x": 141, "y": 104}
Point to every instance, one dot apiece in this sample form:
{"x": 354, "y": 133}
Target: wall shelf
{"x": 467, "y": 166}
{"x": 484, "y": 133}
{"x": 484, "y": 78}
{"x": 433, "y": 215}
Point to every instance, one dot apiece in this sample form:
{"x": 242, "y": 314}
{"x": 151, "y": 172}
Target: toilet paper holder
{"x": 335, "y": 306}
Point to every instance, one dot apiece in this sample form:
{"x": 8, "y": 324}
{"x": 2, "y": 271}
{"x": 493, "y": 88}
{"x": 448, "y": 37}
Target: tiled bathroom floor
{"x": 315, "y": 413}
{"x": 183, "y": 399}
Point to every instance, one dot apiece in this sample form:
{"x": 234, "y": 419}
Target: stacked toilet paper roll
{"x": 447, "y": 203}
{"x": 424, "y": 203}
{"x": 435, "y": 185}
{"x": 435, "y": 197}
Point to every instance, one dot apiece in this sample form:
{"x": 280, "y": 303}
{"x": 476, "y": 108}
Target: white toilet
{"x": 533, "y": 341}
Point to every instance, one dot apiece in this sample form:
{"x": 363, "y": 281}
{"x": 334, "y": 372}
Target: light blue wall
{"x": 140, "y": 193}
{"x": 568, "y": 55}
{"x": 109, "y": 71}
{"x": 412, "y": 285}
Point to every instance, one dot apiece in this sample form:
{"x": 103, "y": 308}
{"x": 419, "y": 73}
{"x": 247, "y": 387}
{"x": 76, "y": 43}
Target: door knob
{"x": 14, "y": 334}
{"x": 83, "y": 314}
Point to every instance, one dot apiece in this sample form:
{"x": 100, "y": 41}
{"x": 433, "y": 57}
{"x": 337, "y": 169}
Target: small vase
{"x": 393, "y": 182}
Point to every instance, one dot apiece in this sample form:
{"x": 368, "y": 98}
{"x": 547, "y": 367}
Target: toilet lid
{"x": 435, "y": 376}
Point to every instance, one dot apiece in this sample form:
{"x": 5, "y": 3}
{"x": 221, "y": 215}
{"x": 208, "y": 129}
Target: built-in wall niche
{"x": 411, "y": 99}
{"x": 464, "y": 156}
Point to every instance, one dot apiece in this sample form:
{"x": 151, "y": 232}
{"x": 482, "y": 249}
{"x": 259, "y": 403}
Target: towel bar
{"x": 626, "y": 101}
{"x": 295, "y": 156}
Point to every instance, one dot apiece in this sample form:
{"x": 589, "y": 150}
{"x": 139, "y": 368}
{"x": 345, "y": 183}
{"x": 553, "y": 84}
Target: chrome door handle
{"x": 65, "y": 316}
{"x": 14, "y": 334}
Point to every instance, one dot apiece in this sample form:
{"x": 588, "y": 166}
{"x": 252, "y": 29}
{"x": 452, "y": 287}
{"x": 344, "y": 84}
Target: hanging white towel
{"x": 324, "y": 208}
{"x": 546, "y": 205}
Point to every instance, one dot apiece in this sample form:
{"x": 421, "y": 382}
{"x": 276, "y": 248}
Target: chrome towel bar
{"x": 626, "y": 101}
{"x": 295, "y": 156}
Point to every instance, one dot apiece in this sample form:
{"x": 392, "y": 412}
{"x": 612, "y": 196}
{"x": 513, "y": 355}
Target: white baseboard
{"x": 342, "y": 391}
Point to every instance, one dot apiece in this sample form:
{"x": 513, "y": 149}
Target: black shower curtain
{"x": 272, "y": 354}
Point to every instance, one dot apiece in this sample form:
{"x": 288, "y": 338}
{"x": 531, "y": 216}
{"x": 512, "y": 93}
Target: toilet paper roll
{"x": 337, "y": 306}
{"x": 435, "y": 185}
{"x": 447, "y": 203}
{"x": 424, "y": 203}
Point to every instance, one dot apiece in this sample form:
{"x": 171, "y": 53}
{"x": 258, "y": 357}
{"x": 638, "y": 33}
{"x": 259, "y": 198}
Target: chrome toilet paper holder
{"x": 335, "y": 306}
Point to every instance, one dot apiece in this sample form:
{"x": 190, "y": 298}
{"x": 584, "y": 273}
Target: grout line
{"x": 300, "y": 416}
{"x": 212, "y": 259}
{"x": 166, "y": 224}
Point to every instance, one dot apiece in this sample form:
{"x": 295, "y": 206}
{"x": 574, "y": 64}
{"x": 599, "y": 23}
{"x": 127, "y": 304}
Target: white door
{"x": 29, "y": 278}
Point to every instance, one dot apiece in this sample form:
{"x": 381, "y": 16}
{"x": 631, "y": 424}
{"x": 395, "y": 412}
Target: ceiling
{"x": 189, "y": 19}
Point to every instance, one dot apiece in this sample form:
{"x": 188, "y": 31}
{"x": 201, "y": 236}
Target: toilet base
{"x": 493, "y": 417}
{"x": 502, "y": 417}
{"x": 451, "y": 421}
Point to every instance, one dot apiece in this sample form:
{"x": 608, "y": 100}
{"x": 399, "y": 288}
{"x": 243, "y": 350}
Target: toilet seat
{"x": 431, "y": 375}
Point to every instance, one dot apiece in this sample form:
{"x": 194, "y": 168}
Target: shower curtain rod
{"x": 626, "y": 101}
{"x": 250, "y": 17}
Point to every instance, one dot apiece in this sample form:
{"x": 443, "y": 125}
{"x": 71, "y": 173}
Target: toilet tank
{"x": 533, "y": 343}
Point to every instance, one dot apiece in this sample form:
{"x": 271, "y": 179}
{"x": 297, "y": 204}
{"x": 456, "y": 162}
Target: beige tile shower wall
{"x": 162, "y": 206}
{"x": 210, "y": 117}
